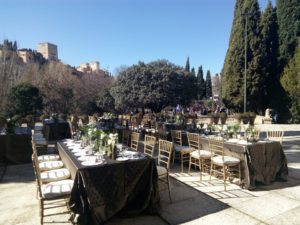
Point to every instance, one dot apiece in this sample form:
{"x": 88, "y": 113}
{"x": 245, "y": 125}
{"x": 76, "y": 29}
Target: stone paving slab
{"x": 290, "y": 217}
{"x": 225, "y": 217}
{"x": 267, "y": 206}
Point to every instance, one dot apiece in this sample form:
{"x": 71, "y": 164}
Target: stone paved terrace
{"x": 194, "y": 202}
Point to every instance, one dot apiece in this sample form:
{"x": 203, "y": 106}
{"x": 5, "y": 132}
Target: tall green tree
{"x": 288, "y": 17}
{"x": 269, "y": 34}
{"x": 288, "y": 14}
{"x": 234, "y": 66}
{"x": 187, "y": 65}
{"x": 193, "y": 72}
{"x": 200, "y": 84}
{"x": 208, "y": 86}
{"x": 25, "y": 99}
{"x": 154, "y": 85}
{"x": 290, "y": 80}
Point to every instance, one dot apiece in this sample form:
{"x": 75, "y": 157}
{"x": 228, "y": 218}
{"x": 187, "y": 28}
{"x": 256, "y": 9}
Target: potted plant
{"x": 30, "y": 120}
{"x": 215, "y": 118}
{"x": 223, "y": 117}
{"x": 252, "y": 116}
{"x": 245, "y": 117}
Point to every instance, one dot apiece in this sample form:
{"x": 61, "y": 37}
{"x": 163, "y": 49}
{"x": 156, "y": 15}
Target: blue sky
{"x": 122, "y": 32}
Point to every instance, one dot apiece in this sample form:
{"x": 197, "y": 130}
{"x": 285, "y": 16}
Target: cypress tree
{"x": 288, "y": 17}
{"x": 208, "y": 85}
{"x": 200, "y": 84}
{"x": 187, "y": 65}
{"x": 288, "y": 14}
{"x": 290, "y": 81}
{"x": 233, "y": 69}
{"x": 269, "y": 36}
{"x": 193, "y": 72}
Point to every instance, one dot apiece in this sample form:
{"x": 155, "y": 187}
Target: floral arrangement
{"x": 252, "y": 132}
{"x": 54, "y": 116}
{"x": 10, "y": 126}
{"x": 108, "y": 116}
{"x": 233, "y": 129}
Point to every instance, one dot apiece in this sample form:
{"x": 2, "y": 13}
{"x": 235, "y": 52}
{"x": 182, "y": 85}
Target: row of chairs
{"x": 52, "y": 179}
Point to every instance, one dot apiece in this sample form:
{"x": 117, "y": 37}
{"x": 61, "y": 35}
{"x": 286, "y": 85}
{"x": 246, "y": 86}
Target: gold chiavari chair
{"x": 275, "y": 135}
{"x": 135, "y": 138}
{"x": 198, "y": 156}
{"x": 126, "y": 137}
{"x": 181, "y": 152}
{"x": 50, "y": 191}
{"x": 165, "y": 149}
{"x": 222, "y": 164}
{"x": 149, "y": 145}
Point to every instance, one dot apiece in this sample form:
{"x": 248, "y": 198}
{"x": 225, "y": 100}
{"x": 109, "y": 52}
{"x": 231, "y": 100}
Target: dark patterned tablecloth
{"x": 16, "y": 148}
{"x": 262, "y": 162}
{"x": 56, "y": 130}
{"x": 116, "y": 188}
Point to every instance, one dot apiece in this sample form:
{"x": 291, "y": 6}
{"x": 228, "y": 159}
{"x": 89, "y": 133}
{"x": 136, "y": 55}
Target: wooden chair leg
{"x": 42, "y": 211}
{"x": 224, "y": 177}
{"x": 190, "y": 165}
{"x": 168, "y": 182}
{"x": 210, "y": 172}
{"x": 240, "y": 174}
{"x": 181, "y": 159}
{"x": 200, "y": 170}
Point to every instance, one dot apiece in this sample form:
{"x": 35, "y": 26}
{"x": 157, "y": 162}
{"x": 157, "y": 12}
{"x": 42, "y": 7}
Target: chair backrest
{"x": 176, "y": 137}
{"x": 216, "y": 146}
{"x": 149, "y": 144}
{"x": 256, "y": 134}
{"x": 135, "y": 138}
{"x": 276, "y": 135}
{"x": 126, "y": 137}
{"x": 194, "y": 140}
{"x": 164, "y": 153}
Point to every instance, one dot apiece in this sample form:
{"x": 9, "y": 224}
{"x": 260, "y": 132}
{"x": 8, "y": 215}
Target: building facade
{"x": 92, "y": 67}
{"x": 48, "y": 50}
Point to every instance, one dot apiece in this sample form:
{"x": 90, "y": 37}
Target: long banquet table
{"x": 262, "y": 162}
{"x": 125, "y": 188}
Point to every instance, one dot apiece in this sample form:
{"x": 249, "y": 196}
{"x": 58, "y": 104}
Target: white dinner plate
{"x": 89, "y": 163}
{"x": 83, "y": 158}
{"x": 78, "y": 154}
{"x": 133, "y": 153}
{"x": 122, "y": 159}
{"x": 232, "y": 140}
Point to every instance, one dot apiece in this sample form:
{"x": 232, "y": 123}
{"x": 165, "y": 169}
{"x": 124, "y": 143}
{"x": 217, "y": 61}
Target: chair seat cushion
{"x": 49, "y": 157}
{"x": 161, "y": 171}
{"x": 40, "y": 142}
{"x": 228, "y": 160}
{"x": 55, "y": 175}
{"x": 201, "y": 154}
{"x": 179, "y": 148}
{"x": 57, "y": 188}
{"x": 50, "y": 165}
